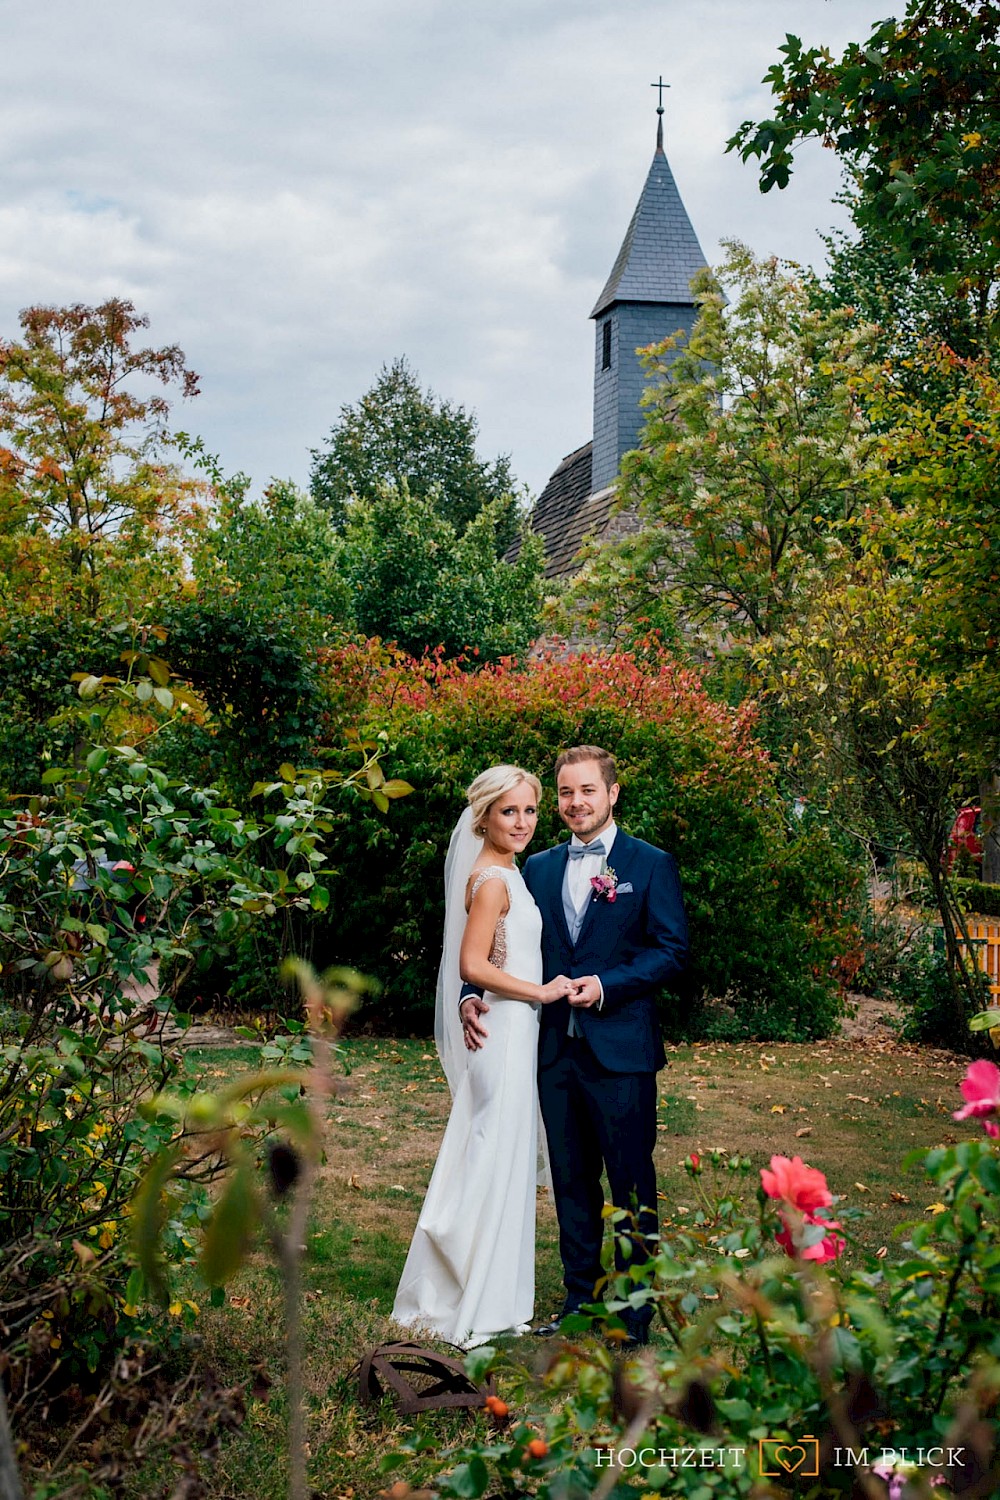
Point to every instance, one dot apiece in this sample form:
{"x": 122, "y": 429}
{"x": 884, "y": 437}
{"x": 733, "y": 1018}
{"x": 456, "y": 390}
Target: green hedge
{"x": 38, "y": 656}
{"x": 977, "y": 897}
{"x": 769, "y": 904}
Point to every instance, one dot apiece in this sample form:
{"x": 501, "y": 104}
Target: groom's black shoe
{"x": 636, "y": 1337}
{"x": 550, "y": 1329}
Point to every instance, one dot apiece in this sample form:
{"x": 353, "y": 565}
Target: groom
{"x": 613, "y": 919}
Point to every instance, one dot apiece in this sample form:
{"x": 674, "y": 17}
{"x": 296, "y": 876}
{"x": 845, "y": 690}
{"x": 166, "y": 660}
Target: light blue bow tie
{"x": 578, "y": 851}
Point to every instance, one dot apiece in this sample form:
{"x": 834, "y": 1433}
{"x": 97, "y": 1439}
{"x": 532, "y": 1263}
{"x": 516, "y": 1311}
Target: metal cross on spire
{"x": 660, "y": 85}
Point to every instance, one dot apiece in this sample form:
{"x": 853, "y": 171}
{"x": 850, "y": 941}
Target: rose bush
{"x": 770, "y": 903}
{"x": 777, "y": 1375}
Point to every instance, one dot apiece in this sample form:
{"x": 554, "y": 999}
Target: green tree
{"x": 913, "y": 114}
{"x": 397, "y": 433}
{"x": 939, "y": 522}
{"x": 279, "y": 554}
{"x": 90, "y": 505}
{"x": 867, "y": 704}
{"x": 753, "y": 448}
{"x": 415, "y": 580}
{"x": 908, "y": 309}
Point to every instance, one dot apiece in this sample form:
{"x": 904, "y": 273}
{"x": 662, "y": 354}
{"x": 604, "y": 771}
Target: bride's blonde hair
{"x": 492, "y": 784}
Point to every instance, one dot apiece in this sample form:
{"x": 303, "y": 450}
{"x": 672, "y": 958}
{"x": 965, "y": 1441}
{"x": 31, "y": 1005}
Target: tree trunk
{"x": 989, "y": 801}
{"x": 963, "y": 975}
{"x": 10, "y": 1480}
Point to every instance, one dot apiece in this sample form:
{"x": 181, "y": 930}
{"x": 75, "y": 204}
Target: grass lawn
{"x": 852, "y": 1109}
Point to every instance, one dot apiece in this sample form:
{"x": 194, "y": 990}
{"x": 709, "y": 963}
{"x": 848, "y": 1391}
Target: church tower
{"x": 647, "y": 297}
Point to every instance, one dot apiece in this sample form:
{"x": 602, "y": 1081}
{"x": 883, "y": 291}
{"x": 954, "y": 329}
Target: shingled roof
{"x": 566, "y": 512}
{"x": 660, "y": 252}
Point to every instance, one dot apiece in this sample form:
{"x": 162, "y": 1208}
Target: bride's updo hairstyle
{"x": 492, "y": 784}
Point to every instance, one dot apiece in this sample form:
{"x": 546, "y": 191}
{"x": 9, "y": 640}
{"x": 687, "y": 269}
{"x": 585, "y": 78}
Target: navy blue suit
{"x": 598, "y": 1090}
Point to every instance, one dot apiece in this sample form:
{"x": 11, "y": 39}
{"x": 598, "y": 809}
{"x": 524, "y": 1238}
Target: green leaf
{"x": 396, "y": 788}
{"x": 164, "y": 697}
{"x": 988, "y": 1171}
{"x": 286, "y": 771}
{"x": 227, "y": 923}
{"x": 159, "y": 671}
{"x": 135, "y": 1287}
{"x": 469, "y": 1481}
{"x": 319, "y": 898}
{"x": 149, "y": 1214}
{"x": 144, "y": 692}
{"x": 477, "y": 1362}
{"x": 230, "y": 1231}
{"x": 97, "y": 759}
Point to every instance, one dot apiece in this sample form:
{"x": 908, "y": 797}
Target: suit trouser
{"x": 594, "y": 1117}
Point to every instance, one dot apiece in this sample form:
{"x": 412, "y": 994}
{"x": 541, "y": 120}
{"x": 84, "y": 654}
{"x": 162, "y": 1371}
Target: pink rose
{"x": 981, "y": 1091}
{"x": 802, "y": 1189}
{"x": 793, "y": 1182}
{"x": 830, "y": 1247}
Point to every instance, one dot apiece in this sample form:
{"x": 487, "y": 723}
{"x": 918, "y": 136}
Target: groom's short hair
{"x": 576, "y": 753}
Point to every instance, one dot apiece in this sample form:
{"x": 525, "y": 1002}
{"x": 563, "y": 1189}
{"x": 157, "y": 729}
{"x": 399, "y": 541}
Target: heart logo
{"x": 791, "y": 1457}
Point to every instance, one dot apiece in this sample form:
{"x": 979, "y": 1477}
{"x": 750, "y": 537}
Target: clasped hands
{"x": 582, "y": 993}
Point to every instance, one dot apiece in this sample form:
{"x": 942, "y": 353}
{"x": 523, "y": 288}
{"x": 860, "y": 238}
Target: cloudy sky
{"x": 297, "y": 193}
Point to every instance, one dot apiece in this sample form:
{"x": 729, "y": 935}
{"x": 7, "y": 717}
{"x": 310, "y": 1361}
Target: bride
{"x": 470, "y": 1271}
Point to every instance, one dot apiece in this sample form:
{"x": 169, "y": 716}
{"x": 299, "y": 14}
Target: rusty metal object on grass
{"x": 417, "y": 1379}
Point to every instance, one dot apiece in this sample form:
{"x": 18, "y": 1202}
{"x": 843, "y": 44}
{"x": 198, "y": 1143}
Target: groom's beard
{"x": 590, "y": 824}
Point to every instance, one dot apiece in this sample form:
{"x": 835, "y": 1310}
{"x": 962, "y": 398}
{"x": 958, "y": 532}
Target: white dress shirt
{"x": 582, "y": 871}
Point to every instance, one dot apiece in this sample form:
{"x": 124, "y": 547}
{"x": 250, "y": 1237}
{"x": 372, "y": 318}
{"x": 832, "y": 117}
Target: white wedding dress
{"x": 470, "y": 1271}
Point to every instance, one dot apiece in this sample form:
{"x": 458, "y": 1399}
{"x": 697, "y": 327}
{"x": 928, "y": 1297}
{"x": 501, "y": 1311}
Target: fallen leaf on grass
{"x": 806, "y": 1130}
{"x": 899, "y": 1198}
{"x": 778, "y": 1109}
{"x": 935, "y": 1208}
{"x": 354, "y": 1181}
{"x": 882, "y": 1252}
{"x": 861, "y": 1187}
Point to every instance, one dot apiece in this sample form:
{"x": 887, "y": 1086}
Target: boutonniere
{"x": 605, "y": 885}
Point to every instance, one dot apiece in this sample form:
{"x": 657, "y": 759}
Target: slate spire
{"x": 660, "y": 252}
{"x": 646, "y": 298}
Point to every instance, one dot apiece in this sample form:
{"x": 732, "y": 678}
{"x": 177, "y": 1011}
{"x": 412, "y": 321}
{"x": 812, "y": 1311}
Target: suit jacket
{"x": 634, "y": 944}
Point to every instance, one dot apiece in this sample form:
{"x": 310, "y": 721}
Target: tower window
{"x": 606, "y": 345}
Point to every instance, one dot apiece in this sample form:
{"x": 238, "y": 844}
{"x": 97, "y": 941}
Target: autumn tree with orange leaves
{"x": 93, "y": 507}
